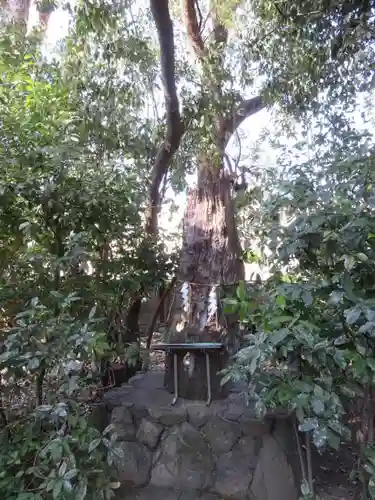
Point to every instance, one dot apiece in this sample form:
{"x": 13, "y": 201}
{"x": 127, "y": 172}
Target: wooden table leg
{"x": 175, "y": 376}
{"x": 208, "y": 372}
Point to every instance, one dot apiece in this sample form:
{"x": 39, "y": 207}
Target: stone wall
{"x": 211, "y": 453}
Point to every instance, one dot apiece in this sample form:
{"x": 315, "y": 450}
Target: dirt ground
{"x": 332, "y": 471}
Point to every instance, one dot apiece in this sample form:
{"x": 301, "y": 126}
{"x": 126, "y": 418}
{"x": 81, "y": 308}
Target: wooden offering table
{"x": 201, "y": 352}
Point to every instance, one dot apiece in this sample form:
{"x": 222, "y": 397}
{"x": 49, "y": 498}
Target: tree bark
{"x": 210, "y": 265}
{"x": 175, "y": 125}
{"x": 19, "y": 12}
{"x": 173, "y": 135}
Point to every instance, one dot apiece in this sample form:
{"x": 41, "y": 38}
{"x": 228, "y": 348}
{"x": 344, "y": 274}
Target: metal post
{"x": 208, "y": 371}
{"x": 175, "y": 376}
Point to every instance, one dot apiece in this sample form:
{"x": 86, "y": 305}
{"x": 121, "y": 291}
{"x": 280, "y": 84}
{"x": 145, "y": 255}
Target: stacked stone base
{"x": 154, "y": 493}
{"x": 194, "y": 452}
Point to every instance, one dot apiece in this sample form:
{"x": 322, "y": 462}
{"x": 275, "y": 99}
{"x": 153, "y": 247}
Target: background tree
{"x": 72, "y": 255}
{"x": 312, "y": 349}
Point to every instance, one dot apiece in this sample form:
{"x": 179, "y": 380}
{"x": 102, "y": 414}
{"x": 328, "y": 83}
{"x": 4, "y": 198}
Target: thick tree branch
{"x": 175, "y": 126}
{"x": 164, "y": 27}
{"x": 193, "y": 27}
{"x": 247, "y": 107}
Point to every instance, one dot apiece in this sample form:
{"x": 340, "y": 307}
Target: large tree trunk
{"x": 210, "y": 266}
{"x": 18, "y": 11}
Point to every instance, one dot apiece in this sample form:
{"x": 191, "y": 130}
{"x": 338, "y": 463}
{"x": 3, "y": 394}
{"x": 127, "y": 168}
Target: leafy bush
{"x": 72, "y": 258}
{"x": 49, "y": 450}
{"x": 312, "y": 350}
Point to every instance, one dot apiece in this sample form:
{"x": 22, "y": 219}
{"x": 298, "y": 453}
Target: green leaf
{"x": 349, "y": 262}
{"x": 279, "y": 336}
{"x": 119, "y": 452}
{"x": 94, "y": 444}
{"x": 339, "y": 358}
{"x": 367, "y": 327}
{"x": 320, "y": 437}
{"x": 70, "y": 474}
{"x": 305, "y": 488}
{"x": 67, "y": 485}
{"x": 317, "y": 406}
{"x": 371, "y": 487}
{"x": 24, "y": 226}
{"x": 281, "y": 301}
{"x": 362, "y": 257}
{"x": 108, "y": 429}
{"x": 92, "y": 312}
{"x": 341, "y": 340}
{"x": 241, "y": 292}
{"x": 62, "y": 468}
{"x": 34, "y": 302}
{"x": 114, "y": 485}
{"x": 81, "y": 489}
{"x": 57, "y": 489}
{"x": 302, "y": 386}
{"x": 308, "y": 425}
{"x": 352, "y": 315}
{"x": 307, "y": 298}
{"x": 336, "y": 297}
{"x": 230, "y": 306}
{"x": 279, "y": 320}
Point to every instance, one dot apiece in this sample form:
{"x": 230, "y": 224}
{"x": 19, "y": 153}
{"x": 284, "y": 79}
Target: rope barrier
{"x": 232, "y": 283}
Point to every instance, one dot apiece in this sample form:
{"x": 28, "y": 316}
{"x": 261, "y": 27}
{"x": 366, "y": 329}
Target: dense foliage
{"x": 312, "y": 349}
{"x": 73, "y": 255}
{"x": 322, "y": 50}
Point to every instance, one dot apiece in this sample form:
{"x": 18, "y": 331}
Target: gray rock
{"x": 221, "y": 434}
{"x": 218, "y": 408}
{"x": 185, "y": 461}
{"x": 234, "y": 411}
{"x": 137, "y": 378}
{"x": 139, "y": 412}
{"x": 248, "y": 449}
{"x": 116, "y": 397}
{"x": 209, "y": 496}
{"x": 152, "y": 493}
{"x": 149, "y": 433}
{"x": 198, "y": 413}
{"x": 193, "y": 495}
{"x": 273, "y": 477}
{"x": 189, "y": 495}
{"x": 252, "y": 426}
{"x": 169, "y": 415}
{"x": 134, "y": 466}
{"x": 122, "y": 421}
{"x": 284, "y": 434}
{"x": 234, "y": 470}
